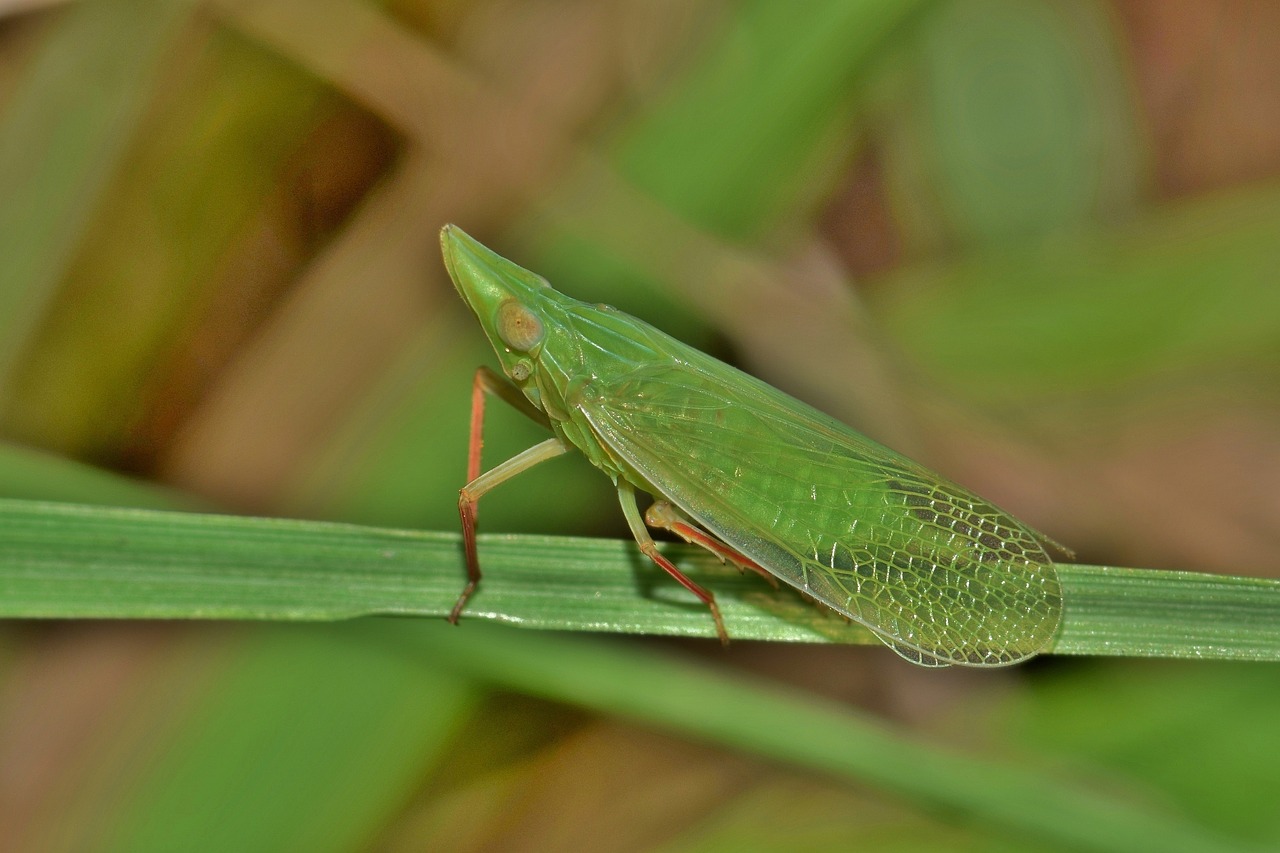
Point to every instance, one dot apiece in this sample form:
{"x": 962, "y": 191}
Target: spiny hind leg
{"x": 663, "y": 515}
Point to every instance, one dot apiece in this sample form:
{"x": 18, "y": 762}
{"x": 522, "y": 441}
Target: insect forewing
{"x": 939, "y": 574}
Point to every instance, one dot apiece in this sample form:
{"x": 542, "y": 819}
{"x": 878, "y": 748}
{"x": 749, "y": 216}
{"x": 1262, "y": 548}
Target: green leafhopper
{"x": 759, "y": 478}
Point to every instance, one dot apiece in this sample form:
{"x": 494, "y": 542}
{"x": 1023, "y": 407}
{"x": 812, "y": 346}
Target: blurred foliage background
{"x": 1031, "y": 244}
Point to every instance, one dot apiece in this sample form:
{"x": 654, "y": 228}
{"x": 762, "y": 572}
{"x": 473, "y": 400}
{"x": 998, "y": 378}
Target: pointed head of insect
{"x": 509, "y": 301}
{"x": 556, "y": 349}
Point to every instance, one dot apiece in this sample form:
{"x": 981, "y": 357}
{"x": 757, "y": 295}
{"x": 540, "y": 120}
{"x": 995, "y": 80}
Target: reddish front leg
{"x": 488, "y": 382}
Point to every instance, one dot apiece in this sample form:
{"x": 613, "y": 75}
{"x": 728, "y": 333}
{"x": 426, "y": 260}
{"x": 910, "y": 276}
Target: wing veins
{"x": 652, "y": 416}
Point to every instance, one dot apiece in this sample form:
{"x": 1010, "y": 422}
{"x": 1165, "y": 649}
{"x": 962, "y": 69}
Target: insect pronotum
{"x": 757, "y": 477}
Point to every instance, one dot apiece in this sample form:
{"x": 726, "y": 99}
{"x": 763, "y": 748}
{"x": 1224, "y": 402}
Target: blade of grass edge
{"x": 71, "y": 561}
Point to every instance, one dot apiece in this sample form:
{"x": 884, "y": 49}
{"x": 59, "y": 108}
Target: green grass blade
{"x": 72, "y": 561}
{"x": 705, "y": 703}
{"x": 1146, "y": 613}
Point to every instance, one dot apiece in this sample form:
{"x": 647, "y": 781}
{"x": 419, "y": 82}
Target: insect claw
{"x": 456, "y": 612}
{"x": 720, "y": 631}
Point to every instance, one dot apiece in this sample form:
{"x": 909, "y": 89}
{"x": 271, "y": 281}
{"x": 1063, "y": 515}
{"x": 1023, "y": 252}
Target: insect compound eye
{"x": 519, "y": 327}
{"x": 521, "y": 370}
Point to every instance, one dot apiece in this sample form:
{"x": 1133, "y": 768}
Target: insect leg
{"x": 627, "y": 497}
{"x": 664, "y": 516}
{"x": 473, "y": 491}
{"x": 488, "y": 382}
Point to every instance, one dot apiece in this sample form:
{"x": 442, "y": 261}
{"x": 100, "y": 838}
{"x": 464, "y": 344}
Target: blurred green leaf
{"x": 201, "y": 171}
{"x": 1016, "y": 121}
{"x": 36, "y": 475}
{"x": 61, "y": 142}
{"x": 730, "y": 147}
{"x": 286, "y": 739}
{"x": 705, "y": 703}
{"x": 734, "y": 138}
{"x": 1186, "y": 291}
{"x": 1147, "y": 723}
